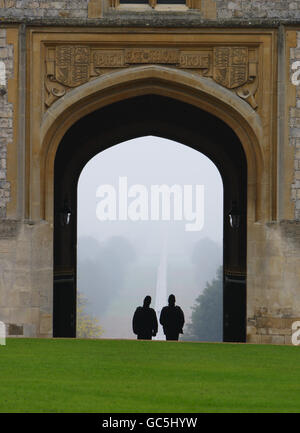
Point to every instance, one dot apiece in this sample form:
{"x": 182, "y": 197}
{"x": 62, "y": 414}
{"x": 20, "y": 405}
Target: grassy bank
{"x": 136, "y": 376}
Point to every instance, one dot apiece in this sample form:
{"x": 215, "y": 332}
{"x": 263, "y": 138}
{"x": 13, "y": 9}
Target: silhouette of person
{"x": 144, "y": 322}
{"x": 172, "y": 319}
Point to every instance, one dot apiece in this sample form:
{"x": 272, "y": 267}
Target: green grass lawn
{"x": 62, "y": 375}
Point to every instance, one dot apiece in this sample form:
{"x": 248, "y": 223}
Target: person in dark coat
{"x": 172, "y": 319}
{"x": 144, "y": 322}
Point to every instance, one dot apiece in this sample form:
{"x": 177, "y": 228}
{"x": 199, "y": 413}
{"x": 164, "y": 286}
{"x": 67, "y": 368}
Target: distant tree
{"x": 207, "y": 316}
{"x": 87, "y": 325}
{"x": 206, "y": 257}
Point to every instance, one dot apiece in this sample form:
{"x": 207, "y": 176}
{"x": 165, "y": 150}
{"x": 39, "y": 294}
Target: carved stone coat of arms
{"x": 72, "y": 65}
{"x": 230, "y": 66}
{"x": 69, "y": 66}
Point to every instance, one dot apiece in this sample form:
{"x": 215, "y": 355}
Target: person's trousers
{"x": 172, "y": 336}
{"x": 144, "y": 337}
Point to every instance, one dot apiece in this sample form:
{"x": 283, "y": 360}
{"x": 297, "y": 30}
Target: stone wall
{"x": 279, "y": 9}
{"x": 26, "y": 278}
{"x": 273, "y": 275}
{"x": 295, "y": 133}
{"x": 6, "y": 118}
{"x": 44, "y": 8}
{"x": 226, "y": 9}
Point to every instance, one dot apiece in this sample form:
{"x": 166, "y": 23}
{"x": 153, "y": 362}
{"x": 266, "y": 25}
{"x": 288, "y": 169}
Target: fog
{"x": 118, "y": 260}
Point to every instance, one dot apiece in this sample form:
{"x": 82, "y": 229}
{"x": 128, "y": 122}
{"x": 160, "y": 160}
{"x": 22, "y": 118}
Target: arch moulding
{"x": 142, "y": 80}
{"x": 228, "y": 73}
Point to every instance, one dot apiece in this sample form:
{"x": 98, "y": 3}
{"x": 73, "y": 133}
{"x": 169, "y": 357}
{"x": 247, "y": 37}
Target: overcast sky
{"x": 148, "y": 161}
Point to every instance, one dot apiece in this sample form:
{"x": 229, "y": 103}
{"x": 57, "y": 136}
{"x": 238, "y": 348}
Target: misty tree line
{"x": 207, "y": 316}
{"x": 105, "y": 264}
{"x": 87, "y": 325}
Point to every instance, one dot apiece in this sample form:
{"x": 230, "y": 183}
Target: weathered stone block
{"x": 254, "y": 339}
{"x": 95, "y": 9}
{"x": 14, "y": 329}
{"x": 9, "y": 228}
{"x": 46, "y": 324}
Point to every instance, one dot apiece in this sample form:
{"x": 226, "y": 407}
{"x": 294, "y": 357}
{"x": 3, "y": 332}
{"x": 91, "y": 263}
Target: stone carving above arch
{"x": 161, "y": 80}
{"x": 70, "y": 65}
{"x": 74, "y": 73}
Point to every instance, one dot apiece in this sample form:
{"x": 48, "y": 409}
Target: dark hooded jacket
{"x": 144, "y": 321}
{"x": 172, "y": 319}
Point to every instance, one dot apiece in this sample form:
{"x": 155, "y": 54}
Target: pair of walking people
{"x": 145, "y": 325}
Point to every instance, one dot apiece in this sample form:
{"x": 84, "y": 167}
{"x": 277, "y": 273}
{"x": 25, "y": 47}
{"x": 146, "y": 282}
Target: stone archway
{"x": 165, "y": 117}
{"x": 195, "y": 92}
{"x": 164, "y": 81}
